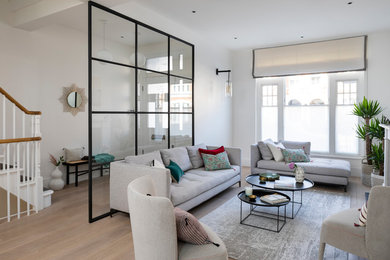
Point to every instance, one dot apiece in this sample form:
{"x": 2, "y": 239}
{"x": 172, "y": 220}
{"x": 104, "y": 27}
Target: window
{"x": 158, "y": 63}
{"x": 316, "y": 108}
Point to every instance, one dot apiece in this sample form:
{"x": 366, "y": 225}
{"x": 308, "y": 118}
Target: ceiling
{"x": 258, "y": 23}
{"x": 254, "y": 23}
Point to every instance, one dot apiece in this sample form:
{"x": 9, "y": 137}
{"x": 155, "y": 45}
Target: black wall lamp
{"x": 228, "y": 85}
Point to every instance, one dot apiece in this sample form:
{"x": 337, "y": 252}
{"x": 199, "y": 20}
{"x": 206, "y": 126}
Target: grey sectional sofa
{"x": 196, "y": 186}
{"x": 322, "y": 170}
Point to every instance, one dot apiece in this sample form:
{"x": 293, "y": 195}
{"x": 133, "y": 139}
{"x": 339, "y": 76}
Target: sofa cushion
{"x": 276, "y": 150}
{"x": 176, "y": 171}
{"x": 144, "y": 159}
{"x": 216, "y": 162}
{"x": 295, "y": 155}
{"x": 264, "y": 150}
{"x": 320, "y": 166}
{"x": 297, "y": 145}
{"x": 213, "y": 152}
{"x": 193, "y": 153}
{"x": 196, "y": 181}
{"x": 178, "y": 155}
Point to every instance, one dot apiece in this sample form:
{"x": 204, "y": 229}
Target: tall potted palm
{"x": 367, "y": 109}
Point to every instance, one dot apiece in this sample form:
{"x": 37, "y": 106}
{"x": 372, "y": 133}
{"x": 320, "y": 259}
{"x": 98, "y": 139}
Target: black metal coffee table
{"x": 280, "y": 219}
{"x": 254, "y": 180}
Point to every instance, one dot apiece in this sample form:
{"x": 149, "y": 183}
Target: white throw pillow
{"x": 158, "y": 164}
{"x": 276, "y": 150}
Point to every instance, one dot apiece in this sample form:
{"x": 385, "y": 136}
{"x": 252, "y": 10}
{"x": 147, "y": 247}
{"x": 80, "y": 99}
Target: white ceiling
{"x": 258, "y": 23}
{"x": 255, "y": 23}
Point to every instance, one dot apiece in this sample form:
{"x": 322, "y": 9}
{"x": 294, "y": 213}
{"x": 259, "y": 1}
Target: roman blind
{"x": 347, "y": 54}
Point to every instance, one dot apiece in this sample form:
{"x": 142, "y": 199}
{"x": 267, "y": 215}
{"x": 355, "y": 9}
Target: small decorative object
{"x": 248, "y": 191}
{"x": 269, "y": 176}
{"x": 56, "y": 182}
{"x": 298, "y": 172}
{"x": 252, "y": 197}
{"x": 73, "y": 99}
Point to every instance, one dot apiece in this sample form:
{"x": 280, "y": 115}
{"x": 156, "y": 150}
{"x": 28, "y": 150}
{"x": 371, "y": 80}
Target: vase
{"x": 299, "y": 174}
{"x": 56, "y": 182}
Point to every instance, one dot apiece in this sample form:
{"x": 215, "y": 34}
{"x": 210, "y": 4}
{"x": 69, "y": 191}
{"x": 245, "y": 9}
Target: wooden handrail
{"x": 20, "y": 140}
{"x": 8, "y": 96}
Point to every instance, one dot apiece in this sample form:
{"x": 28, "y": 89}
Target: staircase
{"x": 21, "y": 185}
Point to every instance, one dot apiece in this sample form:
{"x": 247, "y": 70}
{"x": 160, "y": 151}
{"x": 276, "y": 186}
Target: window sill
{"x": 338, "y": 156}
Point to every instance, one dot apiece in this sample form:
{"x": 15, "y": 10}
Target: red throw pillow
{"x": 213, "y": 152}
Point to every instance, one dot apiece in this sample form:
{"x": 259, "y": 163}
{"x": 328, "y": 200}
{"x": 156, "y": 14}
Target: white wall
{"x": 34, "y": 66}
{"x": 244, "y": 99}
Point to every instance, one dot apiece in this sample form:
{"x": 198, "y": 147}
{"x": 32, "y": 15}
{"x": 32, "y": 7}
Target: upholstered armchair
{"x": 371, "y": 241}
{"x": 154, "y": 227}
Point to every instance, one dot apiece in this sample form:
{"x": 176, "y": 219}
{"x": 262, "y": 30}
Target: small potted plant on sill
{"x": 367, "y": 110}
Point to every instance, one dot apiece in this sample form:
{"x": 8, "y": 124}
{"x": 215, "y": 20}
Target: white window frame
{"x": 333, "y": 79}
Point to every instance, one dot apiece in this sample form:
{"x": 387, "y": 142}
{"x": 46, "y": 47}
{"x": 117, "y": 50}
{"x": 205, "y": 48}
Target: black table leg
{"x": 101, "y": 170}
{"x": 76, "y": 175}
{"x": 67, "y": 174}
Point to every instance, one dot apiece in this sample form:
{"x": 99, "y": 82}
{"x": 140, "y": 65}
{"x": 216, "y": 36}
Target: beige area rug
{"x": 299, "y": 238}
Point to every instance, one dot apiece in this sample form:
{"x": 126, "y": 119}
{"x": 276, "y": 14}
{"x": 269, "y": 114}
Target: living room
{"x": 45, "y": 50}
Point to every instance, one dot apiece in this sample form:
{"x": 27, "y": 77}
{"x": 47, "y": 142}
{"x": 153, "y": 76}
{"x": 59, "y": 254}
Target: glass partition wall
{"x": 140, "y": 93}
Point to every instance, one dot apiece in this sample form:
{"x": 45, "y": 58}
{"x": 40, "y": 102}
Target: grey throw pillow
{"x": 144, "y": 159}
{"x": 73, "y": 154}
{"x": 266, "y": 153}
{"x": 179, "y": 155}
{"x": 193, "y": 153}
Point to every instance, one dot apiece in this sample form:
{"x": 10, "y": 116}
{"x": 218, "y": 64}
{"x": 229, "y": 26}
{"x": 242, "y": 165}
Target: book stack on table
{"x": 284, "y": 184}
{"x": 274, "y": 198}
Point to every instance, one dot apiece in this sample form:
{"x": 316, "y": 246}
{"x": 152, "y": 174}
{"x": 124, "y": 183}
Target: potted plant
{"x": 367, "y": 109}
{"x": 377, "y": 154}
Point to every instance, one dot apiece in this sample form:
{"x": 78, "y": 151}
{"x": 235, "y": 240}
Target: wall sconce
{"x": 228, "y": 84}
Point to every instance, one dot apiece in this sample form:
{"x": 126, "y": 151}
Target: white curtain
{"x": 347, "y": 54}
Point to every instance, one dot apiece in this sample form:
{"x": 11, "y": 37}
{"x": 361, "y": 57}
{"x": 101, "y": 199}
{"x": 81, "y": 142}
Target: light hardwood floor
{"x": 62, "y": 231}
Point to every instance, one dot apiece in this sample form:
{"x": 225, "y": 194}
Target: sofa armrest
{"x": 255, "y": 156}
{"x": 122, "y": 173}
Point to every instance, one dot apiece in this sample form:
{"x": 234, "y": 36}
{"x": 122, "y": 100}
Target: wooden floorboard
{"x": 62, "y": 231}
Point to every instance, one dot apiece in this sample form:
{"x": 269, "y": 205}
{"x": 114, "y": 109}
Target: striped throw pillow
{"x": 189, "y": 229}
{"x": 362, "y": 216}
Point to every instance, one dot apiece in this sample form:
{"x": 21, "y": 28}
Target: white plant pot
{"x": 377, "y": 180}
{"x": 366, "y": 174}
{"x": 56, "y": 182}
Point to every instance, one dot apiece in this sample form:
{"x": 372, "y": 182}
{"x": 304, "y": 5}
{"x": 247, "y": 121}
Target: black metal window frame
{"x": 91, "y": 5}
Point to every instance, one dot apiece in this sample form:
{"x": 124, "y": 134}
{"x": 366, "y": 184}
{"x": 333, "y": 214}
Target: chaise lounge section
{"x": 321, "y": 170}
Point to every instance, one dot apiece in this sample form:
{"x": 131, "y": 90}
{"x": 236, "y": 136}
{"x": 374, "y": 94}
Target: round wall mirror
{"x": 74, "y": 99}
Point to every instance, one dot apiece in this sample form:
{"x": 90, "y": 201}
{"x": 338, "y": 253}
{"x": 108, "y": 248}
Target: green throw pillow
{"x": 216, "y": 162}
{"x": 176, "y": 171}
{"x": 295, "y": 155}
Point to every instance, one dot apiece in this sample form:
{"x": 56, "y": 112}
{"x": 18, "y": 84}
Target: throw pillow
{"x": 265, "y": 152}
{"x": 73, "y": 154}
{"x": 363, "y": 216}
{"x": 276, "y": 150}
{"x": 216, "y": 162}
{"x": 195, "y": 158}
{"x": 176, "y": 171}
{"x": 189, "y": 229}
{"x": 295, "y": 155}
{"x": 158, "y": 164}
{"x": 297, "y": 145}
{"x": 215, "y": 151}
{"x": 179, "y": 155}
{"x": 144, "y": 159}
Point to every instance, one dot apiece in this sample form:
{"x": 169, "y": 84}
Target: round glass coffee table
{"x": 254, "y": 180}
{"x": 280, "y": 218}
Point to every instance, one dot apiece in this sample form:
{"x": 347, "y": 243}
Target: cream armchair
{"x": 154, "y": 227}
{"x": 372, "y": 241}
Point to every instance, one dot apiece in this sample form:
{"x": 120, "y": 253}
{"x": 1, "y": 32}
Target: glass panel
{"x": 309, "y": 123}
{"x": 152, "y": 92}
{"x": 181, "y": 95}
{"x": 269, "y": 123}
{"x": 113, "y": 38}
{"x": 302, "y": 90}
{"x": 181, "y": 130}
{"x": 152, "y": 132}
{"x": 113, "y": 134}
{"x": 346, "y": 140}
{"x": 113, "y": 87}
{"x": 152, "y": 50}
{"x": 181, "y": 54}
